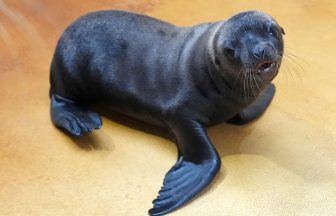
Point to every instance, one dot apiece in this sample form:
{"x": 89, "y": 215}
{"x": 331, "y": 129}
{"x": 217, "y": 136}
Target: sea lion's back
{"x": 118, "y": 52}
{"x": 115, "y": 24}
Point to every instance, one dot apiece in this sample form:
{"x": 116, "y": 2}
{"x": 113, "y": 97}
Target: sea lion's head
{"x": 248, "y": 47}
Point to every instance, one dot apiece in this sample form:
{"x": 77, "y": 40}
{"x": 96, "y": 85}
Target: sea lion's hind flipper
{"x": 256, "y": 109}
{"x": 71, "y": 117}
{"x": 197, "y": 165}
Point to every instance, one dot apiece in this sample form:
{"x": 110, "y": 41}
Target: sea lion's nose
{"x": 263, "y": 51}
{"x": 258, "y": 52}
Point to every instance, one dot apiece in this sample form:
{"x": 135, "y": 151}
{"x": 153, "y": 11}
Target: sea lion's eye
{"x": 272, "y": 31}
{"x": 229, "y": 52}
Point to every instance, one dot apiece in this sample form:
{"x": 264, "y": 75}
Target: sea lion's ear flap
{"x": 282, "y": 30}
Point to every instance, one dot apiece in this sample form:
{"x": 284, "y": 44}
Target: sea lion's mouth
{"x": 266, "y": 66}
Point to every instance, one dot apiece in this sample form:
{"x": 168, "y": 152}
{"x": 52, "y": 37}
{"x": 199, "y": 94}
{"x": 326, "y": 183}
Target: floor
{"x": 282, "y": 164}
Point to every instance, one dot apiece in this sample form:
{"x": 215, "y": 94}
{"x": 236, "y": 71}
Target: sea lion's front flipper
{"x": 197, "y": 164}
{"x": 256, "y": 109}
{"x": 73, "y": 118}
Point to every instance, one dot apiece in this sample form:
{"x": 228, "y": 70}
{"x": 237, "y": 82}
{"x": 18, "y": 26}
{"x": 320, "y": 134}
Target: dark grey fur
{"x": 182, "y": 78}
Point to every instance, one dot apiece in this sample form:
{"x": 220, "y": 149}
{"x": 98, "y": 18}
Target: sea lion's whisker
{"x": 245, "y": 72}
{"x": 251, "y": 71}
{"x": 252, "y": 86}
{"x": 293, "y": 65}
{"x": 296, "y": 56}
{"x": 290, "y": 64}
{"x": 248, "y": 83}
{"x": 235, "y": 82}
{"x": 256, "y": 82}
{"x": 293, "y": 60}
{"x": 249, "y": 79}
{"x": 291, "y": 71}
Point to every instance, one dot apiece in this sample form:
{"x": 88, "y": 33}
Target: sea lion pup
{"x": 181, "y": 78}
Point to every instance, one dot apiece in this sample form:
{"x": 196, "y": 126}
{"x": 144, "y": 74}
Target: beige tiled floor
{"x": 282, "y": 164}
